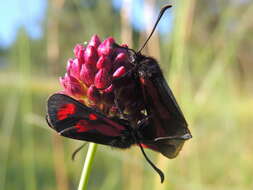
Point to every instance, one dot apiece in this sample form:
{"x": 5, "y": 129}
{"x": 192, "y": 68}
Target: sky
{"x": 141, "y": 19}
{"x": 21, "y": 13}
{"x": 30, "y": 14}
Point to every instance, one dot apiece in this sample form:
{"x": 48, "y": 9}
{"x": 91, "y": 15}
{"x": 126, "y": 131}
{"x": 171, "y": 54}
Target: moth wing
{"x": 72, "y": 119}
{"x": 167, "y": 119}
{"x": 172, "y": 108}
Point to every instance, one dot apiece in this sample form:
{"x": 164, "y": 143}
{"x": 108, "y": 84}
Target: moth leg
{"x": 116, "y": 102}
{"x": 144, "y": 121}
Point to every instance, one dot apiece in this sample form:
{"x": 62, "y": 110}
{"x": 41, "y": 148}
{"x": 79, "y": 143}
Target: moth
{"x": 163, "y": 129}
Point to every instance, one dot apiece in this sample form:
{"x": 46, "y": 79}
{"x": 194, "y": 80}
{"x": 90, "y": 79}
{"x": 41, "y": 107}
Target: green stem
{"x": 87, "y": 166}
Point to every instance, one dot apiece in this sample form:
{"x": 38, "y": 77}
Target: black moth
{"x": 163, "y": 130}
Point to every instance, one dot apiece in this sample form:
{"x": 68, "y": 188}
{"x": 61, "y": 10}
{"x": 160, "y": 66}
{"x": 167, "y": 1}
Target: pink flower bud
{"x": 64, "y": 81}
{"x": 90, "y": 55}
{"x": 95, "y": 41}
{"x": 104, "y": 62}
{"x": 121, "y": 57}
{"x": 76, "y": 89}
{"x": 87, "y": 75}
{"x": 74, "y": 67}
{"x": 124, "y": 45}
{"x": 121, "y": 60}
{"x": 119, "y": 72}
{"x": 93, "y": 94}
{"x": 109, "y": 89}
{"x": 106, "y": 47}
{"x": 122, "y": 50}
{"x": 69, "y": 65}
{"x": 102, "y": 79}
{"x": 79, "y": 51}
{"x": 72, "y": 86}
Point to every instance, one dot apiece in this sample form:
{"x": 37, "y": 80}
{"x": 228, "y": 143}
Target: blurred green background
{"x": 205, "y": 49}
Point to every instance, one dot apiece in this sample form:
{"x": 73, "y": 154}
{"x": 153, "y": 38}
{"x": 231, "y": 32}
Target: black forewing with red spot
{"x": 166, "y": 118}
{"x": 72, "y": 119}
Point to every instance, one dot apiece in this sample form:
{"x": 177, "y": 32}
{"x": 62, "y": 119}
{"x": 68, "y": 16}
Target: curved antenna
{"x": 154, "y": 27}
{"x": 76, "y": 151}
{"x": 151, "y": 163}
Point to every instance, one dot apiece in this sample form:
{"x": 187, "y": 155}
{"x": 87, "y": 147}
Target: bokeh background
{"x": 205, "y": 49}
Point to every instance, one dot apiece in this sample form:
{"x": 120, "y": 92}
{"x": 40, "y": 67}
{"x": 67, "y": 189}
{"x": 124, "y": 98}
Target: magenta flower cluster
{"x": 90, "y": 75}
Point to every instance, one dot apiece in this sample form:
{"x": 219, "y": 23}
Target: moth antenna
{"x": 154, "y": 27}
{"x": 151, "y": 163}
{"x": 76, "y": 151}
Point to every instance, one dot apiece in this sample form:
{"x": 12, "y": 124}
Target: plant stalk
{"x": 87, "y": 166}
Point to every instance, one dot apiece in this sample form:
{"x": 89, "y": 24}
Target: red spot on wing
{"x": 65, "y": 111}
{"x": 83, "y": 126}
{"x": 102, "y": 128}
{"x": 93, "y": 116}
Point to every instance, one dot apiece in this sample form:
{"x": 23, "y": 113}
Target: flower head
{"x": 99, "y": 76}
